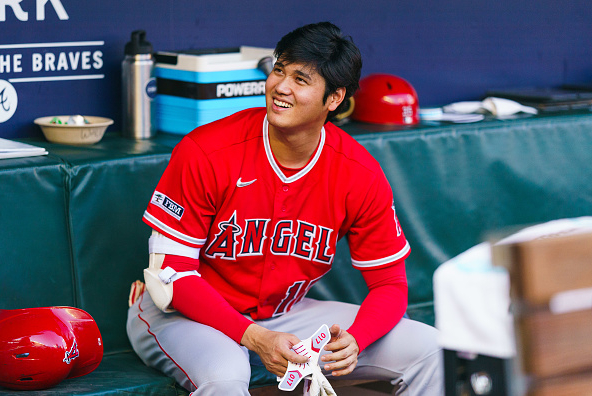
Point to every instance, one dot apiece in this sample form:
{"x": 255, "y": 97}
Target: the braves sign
{"x": 34, "y": 62}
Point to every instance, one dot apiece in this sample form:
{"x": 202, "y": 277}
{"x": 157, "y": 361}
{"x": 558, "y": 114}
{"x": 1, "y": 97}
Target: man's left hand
{"x": 345, "y": 350}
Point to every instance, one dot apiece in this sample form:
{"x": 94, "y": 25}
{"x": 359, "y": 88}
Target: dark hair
{"x": 333, "y": 55}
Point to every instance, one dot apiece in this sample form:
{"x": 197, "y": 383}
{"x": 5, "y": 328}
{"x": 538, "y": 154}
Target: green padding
{"x": 342, "y": 282}
{"x": 111, "y": 147}
{"x": 34, "y": 236}
{"x": 109, "y": 189}
{"x": 261, "y": 377}
{"x": 110, "y": 241}
{"x": 118, "y": 374}
{"x": 454, "y": 184}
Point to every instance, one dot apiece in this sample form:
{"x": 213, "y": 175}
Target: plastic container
{"x": 200, "y": 86}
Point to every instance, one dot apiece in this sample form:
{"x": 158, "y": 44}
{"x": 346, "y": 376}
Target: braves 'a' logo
{"x": 4, "y": 100}
{"x": 71, "y": 354}
{"x": 8, "y": 100}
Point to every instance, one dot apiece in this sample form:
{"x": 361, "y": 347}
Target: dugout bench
{"x": 71, "y": 231}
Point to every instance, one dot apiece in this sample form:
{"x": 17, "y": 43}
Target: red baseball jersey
{"x": 264, "y": 237}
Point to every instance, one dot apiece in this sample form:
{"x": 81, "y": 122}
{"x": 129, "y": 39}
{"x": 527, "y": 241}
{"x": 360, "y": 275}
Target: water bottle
{"x": 139, "y": 88}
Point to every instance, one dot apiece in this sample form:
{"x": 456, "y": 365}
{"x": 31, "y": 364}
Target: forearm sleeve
{"x": 383, "y": 307}
{"x": 198, "y": 300}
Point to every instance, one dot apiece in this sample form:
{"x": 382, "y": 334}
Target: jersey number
{"x": 295, "y": 293}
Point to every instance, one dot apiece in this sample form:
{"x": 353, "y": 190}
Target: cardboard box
{"x": 551, "y": 288}
{"x": 571, "y": 385}
{"x": 555, "y": 344}
{"x": 541, "y": 268}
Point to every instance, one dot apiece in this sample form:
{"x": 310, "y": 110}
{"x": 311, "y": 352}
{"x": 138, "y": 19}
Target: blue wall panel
{"x": 449, "y": 50}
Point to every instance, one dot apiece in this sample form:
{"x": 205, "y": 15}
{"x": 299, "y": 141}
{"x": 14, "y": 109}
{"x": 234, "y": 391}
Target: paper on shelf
{"x": 437, "y": 114}
{"x": 12, "y": 149}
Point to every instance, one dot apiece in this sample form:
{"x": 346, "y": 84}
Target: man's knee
{"x": 429, "y": 341}
{"x": 424, "y": 373}
{"x": 217, "y": 379}
{"x": 408, "y": 347}
{"x": 233, "y": 372}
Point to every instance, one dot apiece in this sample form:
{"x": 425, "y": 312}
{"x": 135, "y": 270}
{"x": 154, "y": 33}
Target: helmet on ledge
{"x": 386, "y": 99}
{"x": 40, "y": 347}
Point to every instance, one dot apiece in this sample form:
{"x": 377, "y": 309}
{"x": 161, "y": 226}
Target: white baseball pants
{"x": 208, "y": 363}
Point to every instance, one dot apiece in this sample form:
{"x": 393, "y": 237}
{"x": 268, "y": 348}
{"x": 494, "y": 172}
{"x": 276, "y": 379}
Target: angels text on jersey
{"x": 286, "y": 237}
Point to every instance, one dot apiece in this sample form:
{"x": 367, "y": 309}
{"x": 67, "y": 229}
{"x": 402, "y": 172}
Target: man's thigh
{"x": 181, "y": 348}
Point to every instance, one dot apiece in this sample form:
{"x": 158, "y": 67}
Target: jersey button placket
{"x": 271, "y": 263}
{"x": 285, "y": 189}
{"x": 282, "y": 194}
{"x": 281, "y": 212}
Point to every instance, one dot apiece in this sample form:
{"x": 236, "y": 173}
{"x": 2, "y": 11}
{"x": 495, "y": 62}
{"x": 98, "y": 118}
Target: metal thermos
{"x": 139, "y": 88}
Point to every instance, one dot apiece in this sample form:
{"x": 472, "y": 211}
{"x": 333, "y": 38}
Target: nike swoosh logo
{"x": 240, "y": 183}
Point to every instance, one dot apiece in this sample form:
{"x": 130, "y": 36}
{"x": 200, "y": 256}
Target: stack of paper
{"x": 12, "y": 149}
{"x": 437, "y": 114}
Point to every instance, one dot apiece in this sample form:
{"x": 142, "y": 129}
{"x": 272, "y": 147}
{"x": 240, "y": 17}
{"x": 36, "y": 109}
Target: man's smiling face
{"x": 294, "y": 98}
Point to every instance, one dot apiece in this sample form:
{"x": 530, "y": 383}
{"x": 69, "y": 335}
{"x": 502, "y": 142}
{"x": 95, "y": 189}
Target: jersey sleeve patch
{"x": 168, "y": 205}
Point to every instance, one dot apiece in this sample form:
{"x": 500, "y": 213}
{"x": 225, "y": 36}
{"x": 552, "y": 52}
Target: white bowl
{"x": 74, "y": 134}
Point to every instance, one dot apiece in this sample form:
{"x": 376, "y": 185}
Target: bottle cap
{"x": 138, "y": 45}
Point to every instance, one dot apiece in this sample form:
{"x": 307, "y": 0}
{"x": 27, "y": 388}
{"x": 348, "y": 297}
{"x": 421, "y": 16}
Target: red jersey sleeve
{"x": 183, "y": 203}
{"x": 375, "y": 237}
{"x": 378, "y": 248}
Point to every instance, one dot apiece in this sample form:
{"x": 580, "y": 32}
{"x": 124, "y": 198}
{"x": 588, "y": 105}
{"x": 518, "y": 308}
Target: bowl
{"x": 75, "y": 134}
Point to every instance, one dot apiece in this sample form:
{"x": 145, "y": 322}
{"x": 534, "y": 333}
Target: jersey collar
{"x": 274, "y": 165}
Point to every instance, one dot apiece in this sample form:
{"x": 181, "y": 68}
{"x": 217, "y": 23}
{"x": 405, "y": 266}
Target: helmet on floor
{"x": 40, "y": 347}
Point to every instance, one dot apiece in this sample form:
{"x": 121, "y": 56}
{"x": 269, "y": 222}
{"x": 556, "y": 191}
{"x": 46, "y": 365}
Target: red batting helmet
{"x": 386, "y": 99}
{"x": 40, "y": 347}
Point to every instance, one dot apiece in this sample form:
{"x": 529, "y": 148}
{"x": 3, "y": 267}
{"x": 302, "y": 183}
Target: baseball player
{"x": 245, "y": 221}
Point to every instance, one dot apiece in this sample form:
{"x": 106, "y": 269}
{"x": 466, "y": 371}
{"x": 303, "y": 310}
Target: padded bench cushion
{"x": 118, "y": 374}
{"x": 124, "y": 373}
{"x": 34, "y": 240}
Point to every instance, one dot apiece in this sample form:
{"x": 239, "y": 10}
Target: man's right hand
{"x": 274, "y": 348}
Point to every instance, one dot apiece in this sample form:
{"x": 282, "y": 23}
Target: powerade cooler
{"x": 196, "y": 87}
